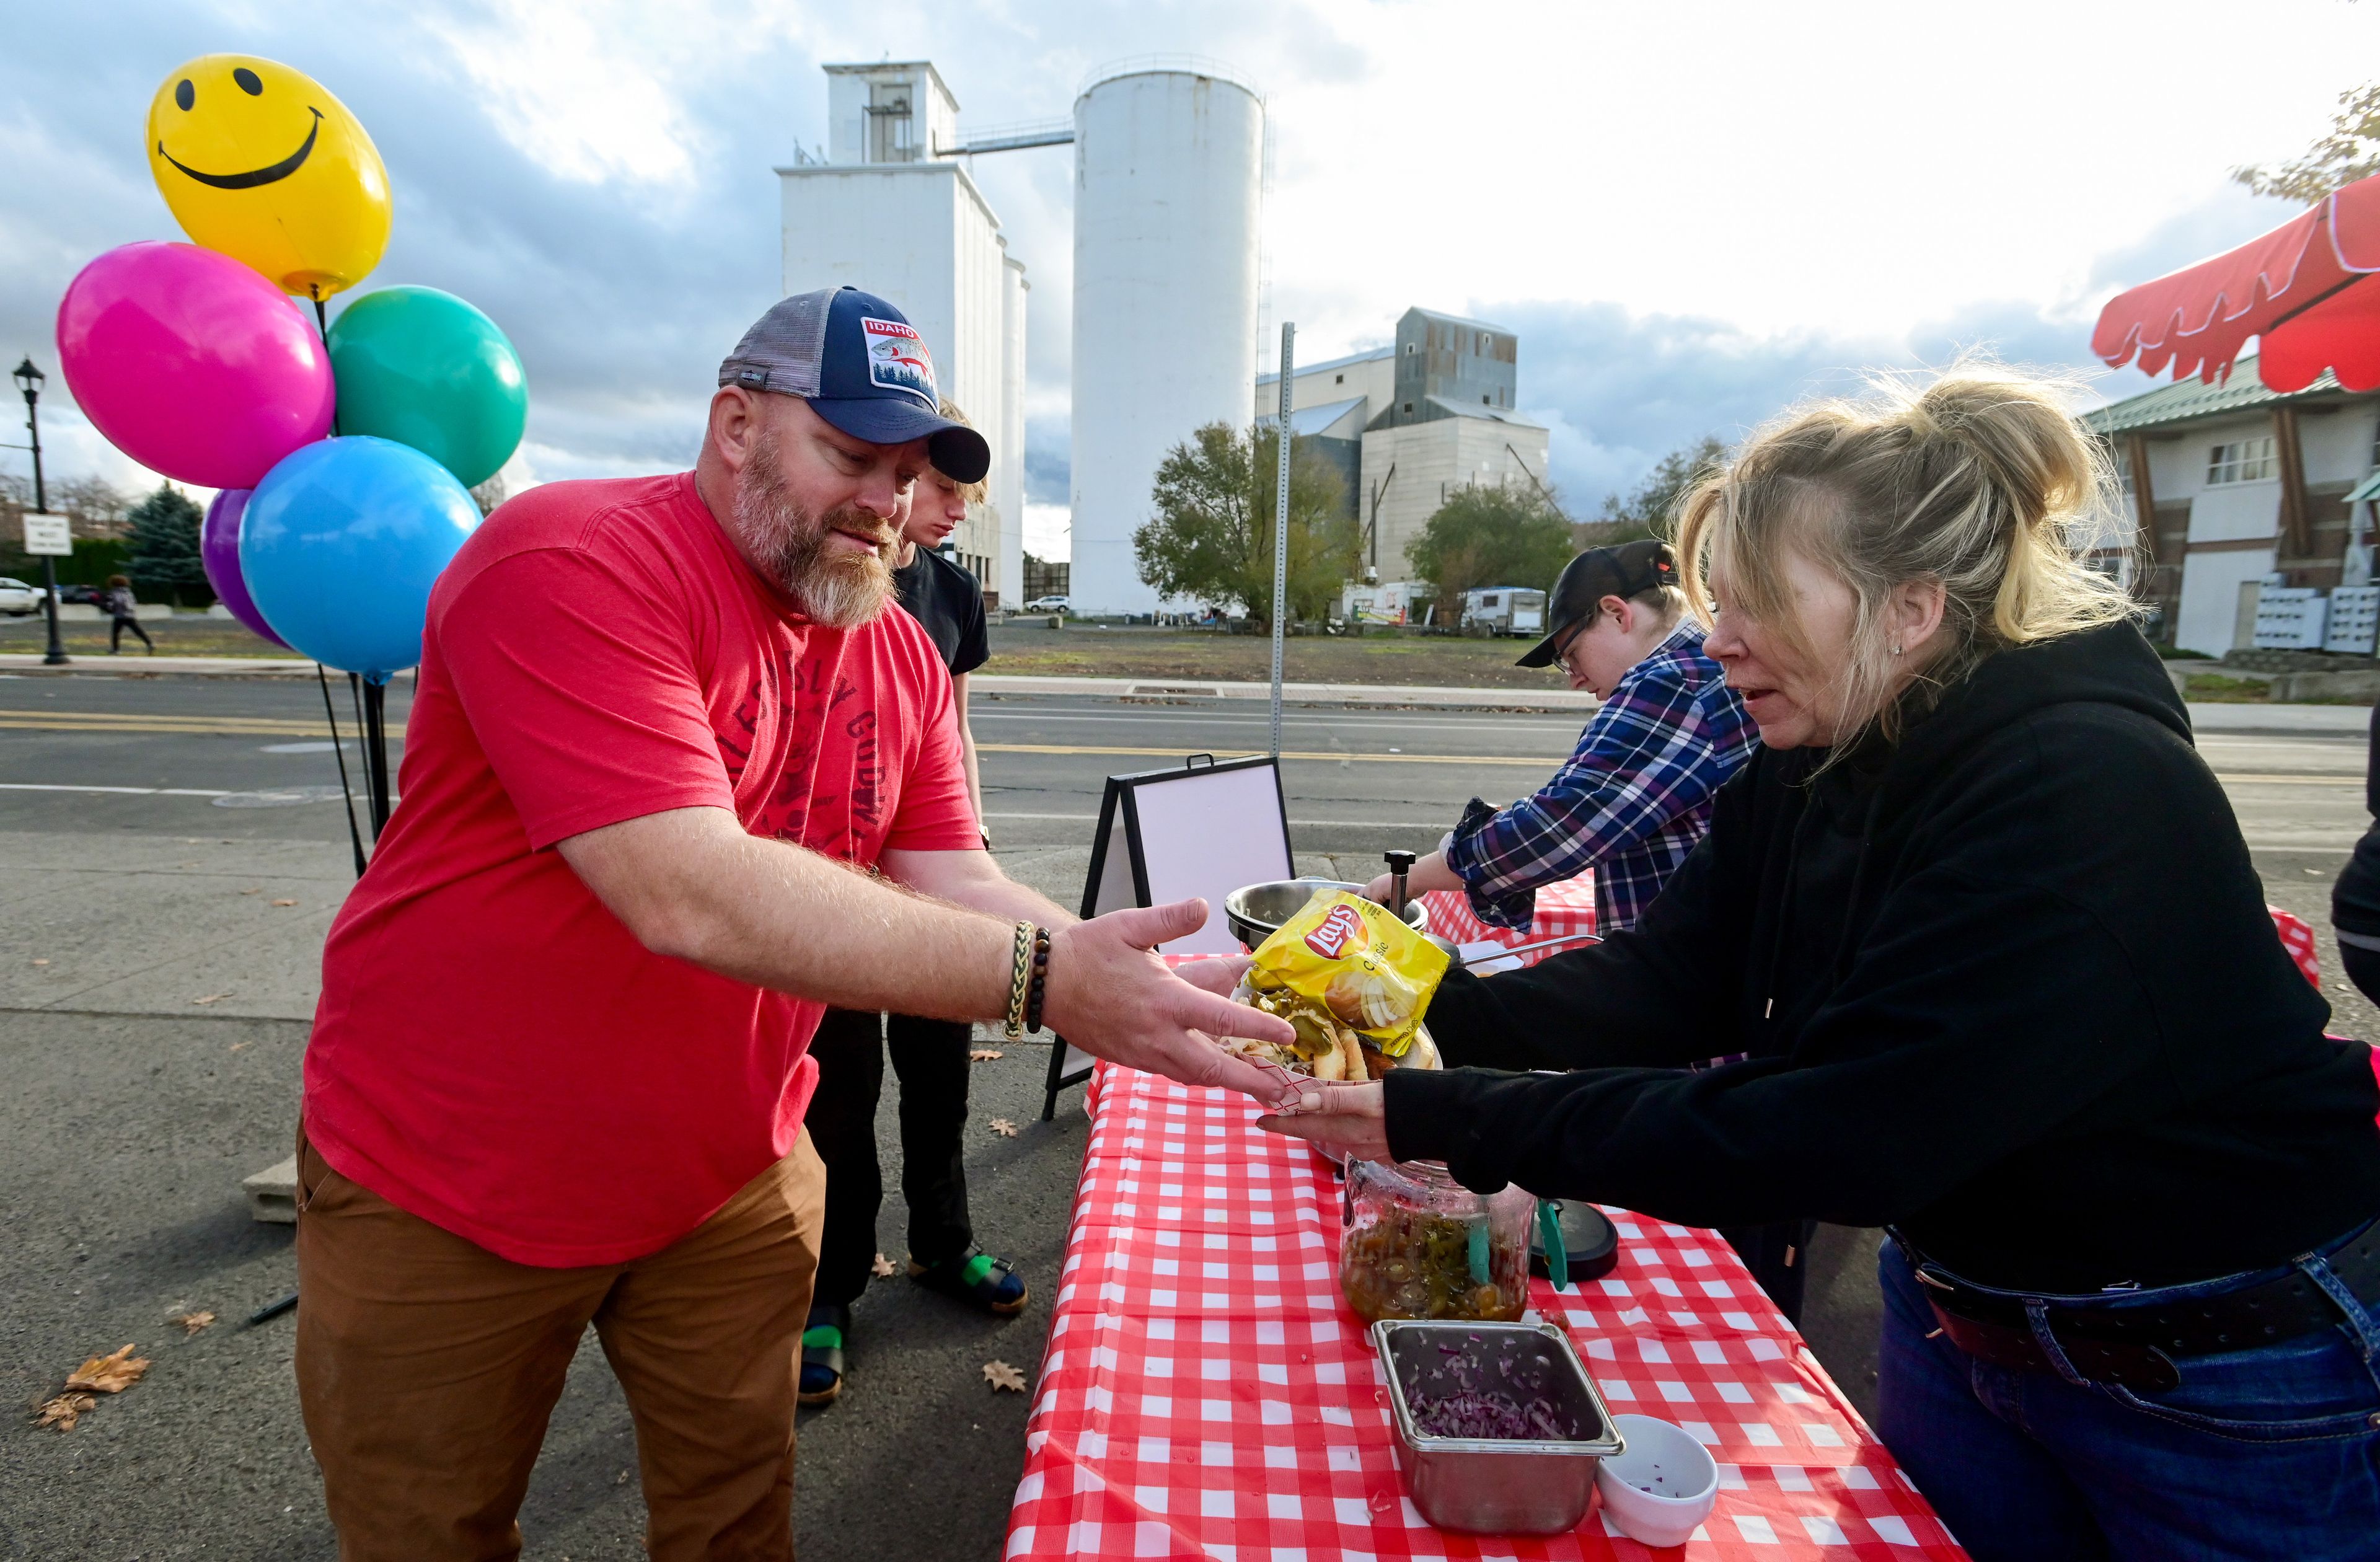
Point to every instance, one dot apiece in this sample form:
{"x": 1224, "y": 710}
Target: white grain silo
{"x": 1169, "y": 162}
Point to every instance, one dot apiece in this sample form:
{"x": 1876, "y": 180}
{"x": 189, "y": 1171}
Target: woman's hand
{"x": 1349, "y": 1119}
{"x": 1429, "y": 873}
{"x": 1220, "y": 974}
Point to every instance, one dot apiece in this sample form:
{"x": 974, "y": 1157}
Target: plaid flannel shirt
{"x": 1629, "y": 803}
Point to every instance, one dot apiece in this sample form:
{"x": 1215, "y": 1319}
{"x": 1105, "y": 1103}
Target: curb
{"x": 1349, "y": 695}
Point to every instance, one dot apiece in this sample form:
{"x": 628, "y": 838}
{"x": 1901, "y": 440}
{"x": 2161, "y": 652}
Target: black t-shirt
{"x": 946, "y": 600}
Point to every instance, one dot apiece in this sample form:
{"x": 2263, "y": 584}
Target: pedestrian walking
{"x": 123, "y": 614}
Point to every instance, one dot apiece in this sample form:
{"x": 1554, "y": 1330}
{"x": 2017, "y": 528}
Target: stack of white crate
{"x": 2289, "y": 619}
{"x": 2354, "y": 623}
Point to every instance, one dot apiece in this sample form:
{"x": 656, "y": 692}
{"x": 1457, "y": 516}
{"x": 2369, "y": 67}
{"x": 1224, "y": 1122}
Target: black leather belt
{"x": 2137, "y": 1347}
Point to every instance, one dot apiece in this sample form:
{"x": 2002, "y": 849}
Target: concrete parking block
{"x": 273, "y": 1192}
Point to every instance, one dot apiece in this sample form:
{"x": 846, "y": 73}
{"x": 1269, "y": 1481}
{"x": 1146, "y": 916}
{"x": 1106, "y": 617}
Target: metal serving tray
{"x": 1255, "y": 911}
{"x": 1491, "y": 1485}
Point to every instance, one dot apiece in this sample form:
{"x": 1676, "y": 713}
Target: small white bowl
{"x": 1662, "y": 1486}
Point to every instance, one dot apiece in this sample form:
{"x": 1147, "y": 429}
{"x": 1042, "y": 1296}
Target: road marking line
{"x": 1301, "y": 824}
{"x": 126, "y": 791}
{"x": 1535, "y": 761}
{"x": 229, "y": 727}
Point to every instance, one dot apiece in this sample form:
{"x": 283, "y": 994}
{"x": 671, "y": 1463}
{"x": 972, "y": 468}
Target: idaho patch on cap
{"x": 897, "y": 359}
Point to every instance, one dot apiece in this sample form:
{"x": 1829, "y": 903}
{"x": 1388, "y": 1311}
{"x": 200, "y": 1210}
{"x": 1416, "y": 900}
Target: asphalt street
{"x": 172, "y": 849}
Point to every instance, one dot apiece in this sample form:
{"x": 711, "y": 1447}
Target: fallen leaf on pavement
{"x": 1000, "y": 1375}
{"x": 259, "y": 889}
{"x": 236, "y": 1046}
{"x": 984, "y": 1054}
{"x": 41, "y": 962}
{"x": 62, "y": 1411}
{"x": 111, "y": 1373}
{"x": 211, "y": 998}
{"x": 285, "y": 903}
{"x": 882, "y": 1267}
{"x": 1003, "y": 1127}
{"x": 192, "y": 1322}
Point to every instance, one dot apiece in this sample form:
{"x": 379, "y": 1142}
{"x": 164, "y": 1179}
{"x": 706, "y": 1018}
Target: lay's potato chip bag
{"x": 1347, "y": 963}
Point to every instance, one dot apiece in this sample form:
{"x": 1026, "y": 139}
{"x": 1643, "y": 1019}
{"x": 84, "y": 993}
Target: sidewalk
{"x": 104, "y": 666}
{"x": 1291, "y": 693}
{"x": 988, "y": 683}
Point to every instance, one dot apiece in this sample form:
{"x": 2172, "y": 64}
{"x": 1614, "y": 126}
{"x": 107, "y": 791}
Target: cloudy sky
{"x": 1691, "y": 213}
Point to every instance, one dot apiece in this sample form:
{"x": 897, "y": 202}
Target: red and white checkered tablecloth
{"x": 1569, "y": 907}
{"x": 1561, "y": 909}
{"x": 1207, "y": 1393}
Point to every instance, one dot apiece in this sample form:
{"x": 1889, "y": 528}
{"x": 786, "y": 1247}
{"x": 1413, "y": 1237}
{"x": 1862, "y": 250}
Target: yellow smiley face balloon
{"x": 256, "y": 161}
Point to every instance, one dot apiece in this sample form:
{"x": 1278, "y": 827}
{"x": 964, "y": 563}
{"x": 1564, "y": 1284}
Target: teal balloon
{"x": 425, "y": 369}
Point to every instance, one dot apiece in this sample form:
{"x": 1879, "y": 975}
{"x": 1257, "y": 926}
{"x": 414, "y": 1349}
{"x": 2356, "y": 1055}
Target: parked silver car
{"x": 17, "y": 599}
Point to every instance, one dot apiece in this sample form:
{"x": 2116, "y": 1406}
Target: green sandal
{"x": 975, "y": 1276}
{"x": 822, "y": 1354}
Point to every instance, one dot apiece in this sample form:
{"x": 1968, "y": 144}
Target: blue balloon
{"x": 341, "y": 543}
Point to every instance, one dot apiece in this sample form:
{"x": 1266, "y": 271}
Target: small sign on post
{"x": 49, "y": 535}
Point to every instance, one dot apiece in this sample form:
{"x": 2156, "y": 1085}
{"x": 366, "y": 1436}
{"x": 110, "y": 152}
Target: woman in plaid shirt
{"x": 1636, "y": 795}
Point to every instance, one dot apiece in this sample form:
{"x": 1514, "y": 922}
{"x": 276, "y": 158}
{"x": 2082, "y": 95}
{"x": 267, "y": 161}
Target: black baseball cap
{"x": 1627, "y": 570}
{"x": 862, "y": 367}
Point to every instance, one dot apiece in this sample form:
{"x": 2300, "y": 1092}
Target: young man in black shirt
{"x": 929, "y": 1055}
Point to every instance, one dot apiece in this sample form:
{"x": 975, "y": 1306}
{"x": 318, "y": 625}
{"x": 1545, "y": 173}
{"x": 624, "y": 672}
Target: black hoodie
{"x": 2010, "y": 986}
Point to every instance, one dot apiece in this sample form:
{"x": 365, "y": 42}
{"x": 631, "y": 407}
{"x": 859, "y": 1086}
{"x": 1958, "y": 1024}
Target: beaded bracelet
{"x": 1039, "y": 989}
{"x": 1020, "y": 982}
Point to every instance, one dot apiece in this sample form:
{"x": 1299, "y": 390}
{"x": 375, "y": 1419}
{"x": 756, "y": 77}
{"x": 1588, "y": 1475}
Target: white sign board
{"x": 48, "y": 534}
{"x": 1202, "y": 830}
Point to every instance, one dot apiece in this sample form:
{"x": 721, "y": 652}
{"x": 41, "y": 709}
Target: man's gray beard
{"x": 838, "y": 589}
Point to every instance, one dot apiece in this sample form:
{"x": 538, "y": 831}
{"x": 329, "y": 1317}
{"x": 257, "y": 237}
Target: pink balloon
{"x": 192, "y": 364}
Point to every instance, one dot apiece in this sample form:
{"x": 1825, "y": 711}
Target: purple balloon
{"x": 219, "y": 555}
{"x": 192, "y": 364}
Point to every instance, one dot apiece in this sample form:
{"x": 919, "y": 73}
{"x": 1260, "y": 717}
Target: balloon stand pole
{"x": 354, "y": 835}
{"x": 376, "y": 753}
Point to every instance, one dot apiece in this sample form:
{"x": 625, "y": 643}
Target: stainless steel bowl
{"x": 1255, "y": 911}
{"x": 1491, "y": 1485}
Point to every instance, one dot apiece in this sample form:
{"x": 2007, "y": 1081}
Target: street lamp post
{"x": 29, "y": 380}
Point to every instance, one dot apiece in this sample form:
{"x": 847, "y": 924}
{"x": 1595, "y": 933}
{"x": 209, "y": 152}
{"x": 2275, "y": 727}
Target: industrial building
{"x": 1169, "y": 180}
{"x": 885, "y": 212}
{"x": 1169, "y": 162}
{"x": 1411, "y": 423}
{"x": 2238, "y": 495}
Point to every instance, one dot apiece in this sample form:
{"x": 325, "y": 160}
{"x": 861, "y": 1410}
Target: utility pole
{"x": 1280, "y": 527}
{"x": 29, "y": 380}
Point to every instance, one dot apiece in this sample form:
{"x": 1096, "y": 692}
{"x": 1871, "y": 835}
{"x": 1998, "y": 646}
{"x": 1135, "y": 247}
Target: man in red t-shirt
{"x": 673, "y": 781}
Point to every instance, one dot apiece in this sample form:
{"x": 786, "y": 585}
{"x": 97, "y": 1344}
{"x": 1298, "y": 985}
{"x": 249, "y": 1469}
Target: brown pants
{"x": 427, "y": 1368}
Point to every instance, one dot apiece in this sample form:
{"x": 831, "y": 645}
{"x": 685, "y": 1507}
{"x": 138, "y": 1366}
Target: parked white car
{"x": 17, "y": 599}
{"x": 1049, "y": 605}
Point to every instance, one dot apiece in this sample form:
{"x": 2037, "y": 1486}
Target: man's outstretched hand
{"x": 1109, "y": 996}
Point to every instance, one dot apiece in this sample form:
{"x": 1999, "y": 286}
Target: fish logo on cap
{"x": 897, "y": 359}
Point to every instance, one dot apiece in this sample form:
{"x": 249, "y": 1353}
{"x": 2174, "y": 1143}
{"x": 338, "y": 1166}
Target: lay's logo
{"x": 1343, "y": 926}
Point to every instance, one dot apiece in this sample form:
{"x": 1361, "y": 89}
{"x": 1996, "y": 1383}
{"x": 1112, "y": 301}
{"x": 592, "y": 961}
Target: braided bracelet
{"x": 1039, "y": 989}
{"x": 1020, "y": 982}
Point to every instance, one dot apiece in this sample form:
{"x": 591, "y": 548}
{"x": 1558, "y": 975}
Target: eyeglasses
{"x": 1570, "y": 637}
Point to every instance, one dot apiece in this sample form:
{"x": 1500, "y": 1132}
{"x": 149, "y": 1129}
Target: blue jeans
{"x": 2271, "y": 1453}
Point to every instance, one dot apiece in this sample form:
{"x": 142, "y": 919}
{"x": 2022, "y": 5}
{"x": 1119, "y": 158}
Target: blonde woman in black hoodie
{"x": 1984, "y": 926}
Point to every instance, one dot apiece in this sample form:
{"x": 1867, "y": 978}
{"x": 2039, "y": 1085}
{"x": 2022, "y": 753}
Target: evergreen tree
{"x": 164, "y": 546}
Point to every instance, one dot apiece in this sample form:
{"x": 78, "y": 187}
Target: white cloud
{"x": 1693, "y": 212}
{"x": 1048, "y": 531}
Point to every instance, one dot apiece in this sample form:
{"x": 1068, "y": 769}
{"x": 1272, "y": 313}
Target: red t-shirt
{"x": 494, "y": 1051}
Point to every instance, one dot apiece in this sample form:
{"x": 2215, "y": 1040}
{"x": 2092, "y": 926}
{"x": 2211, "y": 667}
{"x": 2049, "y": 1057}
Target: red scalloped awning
{"x": 2301, "y": 291}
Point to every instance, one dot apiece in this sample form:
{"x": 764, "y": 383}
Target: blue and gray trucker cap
{"x": 862, "y": 367}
